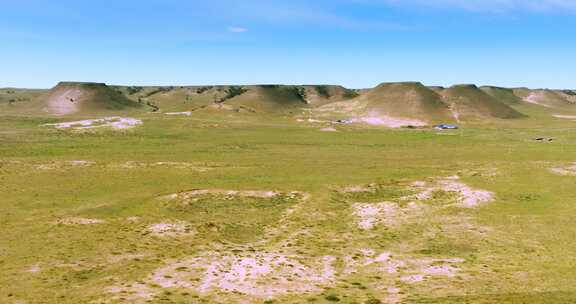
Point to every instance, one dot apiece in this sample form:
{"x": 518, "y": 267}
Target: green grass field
{"x": 79, "y": 212}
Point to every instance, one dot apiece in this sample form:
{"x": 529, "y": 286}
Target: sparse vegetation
{"x": 202, "y": 90}
{"x": 133, "y": 90}
{"x": 351, "y": 94}
{"x": 322, "y": 91}
{"x": 158, "y": 90}
{"x": 232, "y": 92}
{"x": 332, "y": 298}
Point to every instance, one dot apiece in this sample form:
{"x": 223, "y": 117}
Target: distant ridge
{"x": 410, "y": 102}
{"x": 252, "y": 98}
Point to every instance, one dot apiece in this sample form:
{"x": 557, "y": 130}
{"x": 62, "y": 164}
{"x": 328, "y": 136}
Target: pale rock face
{"x": 534, "y": 98}
{"x": 65, "y": 102}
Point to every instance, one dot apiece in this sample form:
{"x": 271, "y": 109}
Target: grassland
{"x": 77, "y": 211}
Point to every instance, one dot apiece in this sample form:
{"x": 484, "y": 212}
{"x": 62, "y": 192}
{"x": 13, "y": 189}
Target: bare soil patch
{"x": 569, "y": 170}
{"x": 73, "y": 221}
{"x": 115, "y": 123}
{"x": 172, "y": 229}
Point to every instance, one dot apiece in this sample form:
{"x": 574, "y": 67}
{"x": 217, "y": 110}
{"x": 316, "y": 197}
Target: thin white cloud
{"x": 495, "y": 6}
{"x": 237, "y": 29}
{"x": 300, "y": 12}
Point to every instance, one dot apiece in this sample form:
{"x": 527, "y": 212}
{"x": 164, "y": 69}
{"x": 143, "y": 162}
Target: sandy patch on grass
{"x": 369, "y": 215}
{"x": 65, "y": 164}
{"x": 115, "y": 123}
{"x": 391, "y": 122}
{"x": 163, "y": 164}
{"x": 34, "y": 269}
{"x": 357, "y": 188}
{"x": 179, "y": 113}
{"x": 411, "y": 279}
{"x": 119, "y": 258}
{"x": 73, "y": 221}
{"x": 565, "y": 116}
{"x": 194, "y": 195}
{"x": 256, "y": 275}
{"x": 441, "y": 270}
{"x": 311, "y": 120}
{"x": 281, "y": 263}
{"x": 330, "y": 129}
{"x": 383, "y": 262}
{"x": 249, "y": 275}
{"x": 62, "y": 165}
{"x": 172, "y": 229}
{"x": 132, "y": 292}
{"x": 260, "y": 275}
{"x": 466, "y": 196}
{"x": 408, "y": 208}
{"x": 426, "y": 271}
{"x": 567, "y": 171}
{"x": 133, "y": 219}
{"x": 7, "y": 162}
{"x": 407, "y": 269}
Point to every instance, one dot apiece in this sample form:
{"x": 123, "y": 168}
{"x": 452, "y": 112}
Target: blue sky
{"x": 356, "y": 43}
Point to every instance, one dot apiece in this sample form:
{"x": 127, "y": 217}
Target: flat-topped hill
{"x": 546, "y": 98}
{"x": 75, "y": 97}
{"x": 406, "y": 100}
{"x": 468, "y": 102}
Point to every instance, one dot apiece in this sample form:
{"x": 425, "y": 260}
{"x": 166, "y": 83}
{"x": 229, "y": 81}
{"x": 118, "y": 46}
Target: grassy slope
{"x": 528, "y": 255}
{"x": 406, "y": 100}
{"x": 318, "y": 95}
{"x": 546, "y": 97}
{"x": 177, "y": 99}
{"x": 504, "y": 95}
{"x": 473, "y": 103}
{"x": 21, "y": 101}
{"x": 269, "y": 98}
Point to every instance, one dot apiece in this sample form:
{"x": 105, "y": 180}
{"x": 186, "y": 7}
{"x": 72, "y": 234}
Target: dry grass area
{"x": 253, "y": 210}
